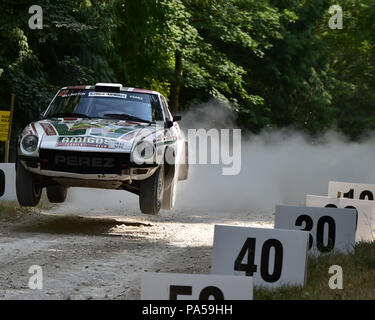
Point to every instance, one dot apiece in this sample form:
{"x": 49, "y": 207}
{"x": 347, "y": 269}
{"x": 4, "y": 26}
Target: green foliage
{"x": 35, "y": 63}
{"x": 352, "y": 65}
{"x": 358, "y": 276}
{"x": 292, "y": 78}
{"x": 275, "y": 62}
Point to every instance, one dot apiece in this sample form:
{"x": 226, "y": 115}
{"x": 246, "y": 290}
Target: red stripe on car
{"x": 63, "y": 93}
{"x": 77, "y": 87}
{"x": 34, "y": 129}
{"x": 142, "y": 90}
{"x": 48, "y": 129}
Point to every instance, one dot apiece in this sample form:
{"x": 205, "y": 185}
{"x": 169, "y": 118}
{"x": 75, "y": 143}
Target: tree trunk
{"x": 176, "y": 85}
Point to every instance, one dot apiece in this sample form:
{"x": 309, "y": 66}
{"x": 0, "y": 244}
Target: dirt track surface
{"x": 101, "y": 253}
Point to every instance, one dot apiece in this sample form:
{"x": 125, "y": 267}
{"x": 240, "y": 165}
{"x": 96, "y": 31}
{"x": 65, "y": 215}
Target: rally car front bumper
{"x": 73, "y": 169}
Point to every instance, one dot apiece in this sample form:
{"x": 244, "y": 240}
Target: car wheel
{"x": 56, "y": 194}
{"x": 27, "y": 190}
{"x": 151, "y": 192}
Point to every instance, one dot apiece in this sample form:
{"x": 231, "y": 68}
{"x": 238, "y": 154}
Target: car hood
{"x": 105, "y": 135}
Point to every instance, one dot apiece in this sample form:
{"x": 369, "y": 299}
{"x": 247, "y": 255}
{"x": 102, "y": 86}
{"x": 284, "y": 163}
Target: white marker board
{"x": 365, "y": 209}
{"x": 330, "y": 229}
{"x": 273, "y": 257}
{"x": 7, "y": 182}
{"x": 351, "y": 190}
{"x": 174, "y": 286}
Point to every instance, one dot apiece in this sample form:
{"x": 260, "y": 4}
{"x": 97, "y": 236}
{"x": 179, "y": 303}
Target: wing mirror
{"x": 169, "y": 123}
{"x": 41, "y": 115}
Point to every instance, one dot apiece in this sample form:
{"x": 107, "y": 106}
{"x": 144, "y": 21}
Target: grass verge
{"x": 358, "y": 278}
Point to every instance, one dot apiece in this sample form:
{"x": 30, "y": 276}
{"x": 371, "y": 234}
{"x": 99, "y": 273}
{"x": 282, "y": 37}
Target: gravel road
{"x": 96, "y": 246}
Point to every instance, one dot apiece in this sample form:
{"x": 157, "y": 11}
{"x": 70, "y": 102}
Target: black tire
{"x": 151, "y": 192}
{"x": 56, "y": 194}
{"x": 27, "y": 190}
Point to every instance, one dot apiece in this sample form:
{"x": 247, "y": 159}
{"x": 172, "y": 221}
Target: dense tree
{"x": 292, "y": 77}
{"x": 351, "y": 57}
{"x": 275, "y": 62}
{"x": 192, "y": 45}
{"x": 70, "y": 49}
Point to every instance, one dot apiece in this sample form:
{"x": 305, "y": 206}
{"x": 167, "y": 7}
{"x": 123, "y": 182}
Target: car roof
{"x": 128, "y": 89}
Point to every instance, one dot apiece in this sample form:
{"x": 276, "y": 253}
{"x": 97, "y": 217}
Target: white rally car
{"x": 103, "y": 136}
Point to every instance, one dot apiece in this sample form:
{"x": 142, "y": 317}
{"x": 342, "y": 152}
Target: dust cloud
{"x": 277, "y": 167}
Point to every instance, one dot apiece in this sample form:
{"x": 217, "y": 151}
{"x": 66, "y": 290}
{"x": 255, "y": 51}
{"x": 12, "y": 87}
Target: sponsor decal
{"x": 79, "y": 161}
{"x": 78, "y": 141}
{"x": 64, "y": 129}
{"x": 107, "y": 129}
{"x": 91, "y": 142}
{"x": 111, "y": 131}
{"x": 66, "y": 94}
{"x": 85, "y": 126}
{"x": 103, "y": 130}
{"x": 140, "y": 98}
{"x": 129, "y": 136}
{"x": 48, "y": 129}
{"x": 108, "y": 94}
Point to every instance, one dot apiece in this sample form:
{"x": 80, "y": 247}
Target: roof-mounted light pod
{"x": 108, "y": 87}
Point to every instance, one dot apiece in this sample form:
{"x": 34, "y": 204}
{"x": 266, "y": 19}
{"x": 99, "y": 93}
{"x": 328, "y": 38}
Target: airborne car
{"x": 103, "y": 136}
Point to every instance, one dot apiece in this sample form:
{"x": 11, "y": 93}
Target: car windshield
{"x": 106, "y": 105}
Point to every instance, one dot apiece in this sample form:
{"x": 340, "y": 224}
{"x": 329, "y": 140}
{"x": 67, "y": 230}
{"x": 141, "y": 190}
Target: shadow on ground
{"x": 78, "y": 225}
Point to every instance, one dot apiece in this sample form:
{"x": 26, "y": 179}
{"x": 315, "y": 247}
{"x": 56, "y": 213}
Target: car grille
{"x": 83, "y": 162}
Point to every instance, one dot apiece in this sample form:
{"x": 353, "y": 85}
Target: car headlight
{"x": 143, "y": 153}
{"x": 30, "y": 143}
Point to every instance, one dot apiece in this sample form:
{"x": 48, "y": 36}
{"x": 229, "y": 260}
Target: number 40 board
{"x": 272, "y": 257}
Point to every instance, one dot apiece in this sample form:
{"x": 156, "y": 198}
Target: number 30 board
{"x": 330, "y": 228}
{"x": 272, "y": 257}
